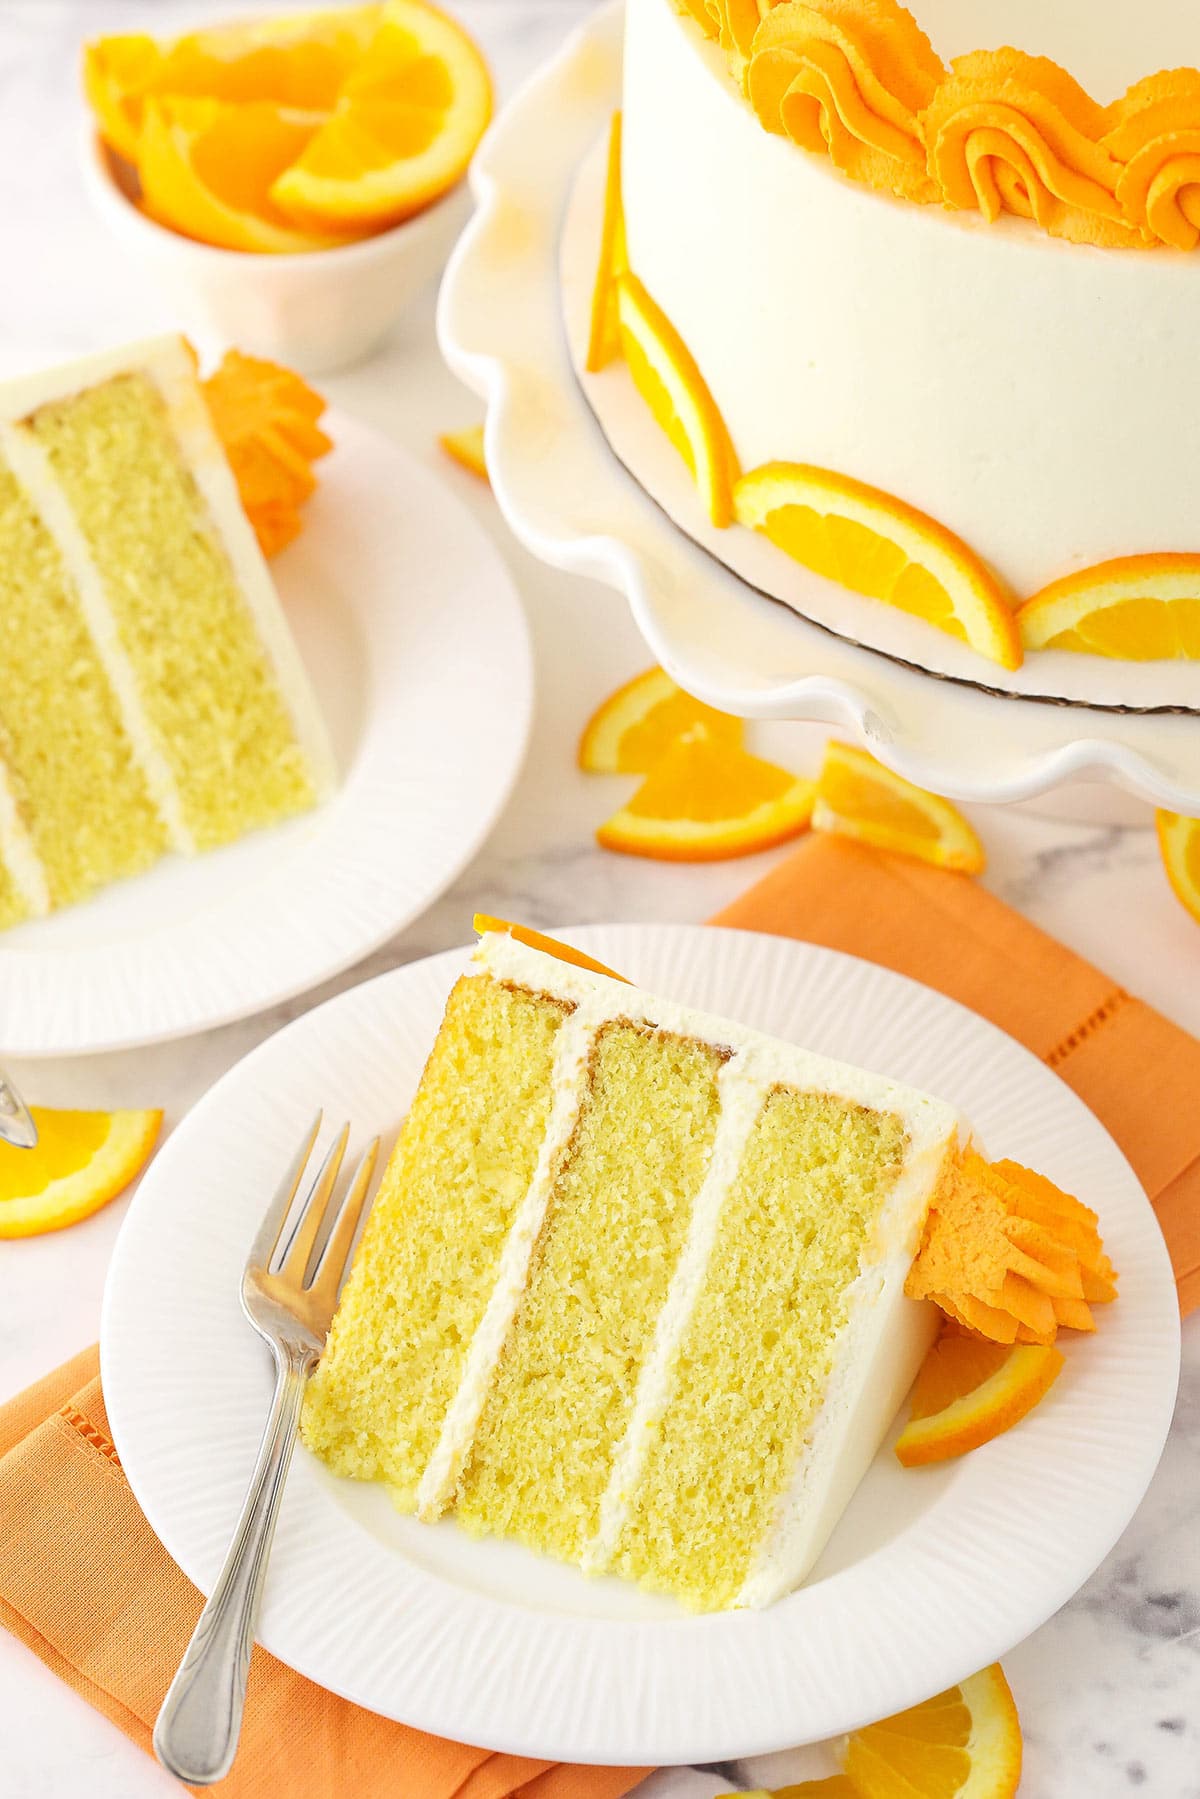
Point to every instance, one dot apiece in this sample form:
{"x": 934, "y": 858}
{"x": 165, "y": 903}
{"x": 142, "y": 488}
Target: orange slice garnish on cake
{"x": 1140, "y": 608}
{"x": 964, "y": 1743}
{"x": 82, "y": 1160}
{"x": 667, "y": 377}
{"x": 407, "y": 121}
{"x": 969, "y": 1391}
{"x": 549, "y": 946}
{"x": 877, "y": 545}
{"x": 1179, "y": 843}
{"x": 706, "y": 800}
{"x": 858, "y": 797}
{"x": 604, "y": 330}
{"x": 207, "y": 169}
{"x": 466, "y": 448}
{"x": 267, "y": 420}
{"x": 641, "y": 721}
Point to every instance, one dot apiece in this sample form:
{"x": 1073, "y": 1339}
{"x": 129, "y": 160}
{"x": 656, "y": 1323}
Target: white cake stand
{"x": 572, "y": 503}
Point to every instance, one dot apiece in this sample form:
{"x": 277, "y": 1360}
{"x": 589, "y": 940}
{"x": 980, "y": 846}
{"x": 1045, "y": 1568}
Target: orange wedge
{"x": 877, "y": 545}
{"x": 82, "y": 1160}
{"x": 604, "y": 335}
{"x": 969, "y": 1391}
{"x": 668, "y": 379}
{"x": 207, "y": 169}
{"x": 266, "y": 418}
{"x": 707, "y": 800}
{"x": 637, "y": 724}
{"x": 549, "y": 946}
{"x": 118, "y": 72}
{"x": 1141, "y": 608}
{"x": 1179, "y": 843}
{"x": 466, "y": 448}
{"x": 963, "y": 1744}
{"x": 858, "y": 797}
{"x": 408, "y": 118}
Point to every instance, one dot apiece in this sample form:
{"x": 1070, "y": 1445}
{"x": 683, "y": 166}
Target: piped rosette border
{"x": 885, "y": 572}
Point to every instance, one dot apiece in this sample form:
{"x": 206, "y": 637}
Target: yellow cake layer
{"x": 429, "y": 1256}
{"x": 206, "y": 685}
{"x": 616, "y": 1223}
{"x": 70, "y": 765}
{"x": 12, "y": 906}
{"x": 750, "y": 1371}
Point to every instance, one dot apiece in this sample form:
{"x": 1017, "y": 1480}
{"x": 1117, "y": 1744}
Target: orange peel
{"x": 604, "y": 329}
{"x": 466, "y": 448}
{"x": 549, "y": 946}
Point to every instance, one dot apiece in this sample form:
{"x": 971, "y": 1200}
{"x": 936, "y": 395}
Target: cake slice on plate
{"x": 151, "y": 696}
{"x": 633, "y": 1290}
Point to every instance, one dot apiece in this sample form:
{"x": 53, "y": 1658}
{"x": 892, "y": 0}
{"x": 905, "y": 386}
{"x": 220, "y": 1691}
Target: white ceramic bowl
{"x": 315, "y": 311}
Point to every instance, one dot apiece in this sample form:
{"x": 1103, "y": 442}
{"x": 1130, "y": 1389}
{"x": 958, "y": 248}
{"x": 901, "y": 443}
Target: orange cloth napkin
{"x": 87, "y": 1585}
{"x": 1139, "y": 1073}
{"x": 84, "y": 1581}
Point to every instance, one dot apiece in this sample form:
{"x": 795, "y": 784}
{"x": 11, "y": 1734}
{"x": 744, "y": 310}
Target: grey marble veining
{"x": 1109, "y": 1690}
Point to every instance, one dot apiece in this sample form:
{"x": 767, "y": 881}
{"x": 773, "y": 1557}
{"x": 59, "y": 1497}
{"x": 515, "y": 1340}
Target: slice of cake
{"x": 633, "y": 1290}
{"x": 151, "y": 697}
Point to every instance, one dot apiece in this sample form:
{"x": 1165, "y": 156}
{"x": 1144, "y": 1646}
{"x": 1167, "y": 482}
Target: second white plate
{"x": 930, "y": 1575}
{"x": 416, "y": 644}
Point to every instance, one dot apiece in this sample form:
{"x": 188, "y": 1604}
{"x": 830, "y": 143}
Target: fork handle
{"x": 196, "y": 1734}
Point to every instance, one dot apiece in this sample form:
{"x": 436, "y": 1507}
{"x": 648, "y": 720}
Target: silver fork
{"x": 289, "y": 1291}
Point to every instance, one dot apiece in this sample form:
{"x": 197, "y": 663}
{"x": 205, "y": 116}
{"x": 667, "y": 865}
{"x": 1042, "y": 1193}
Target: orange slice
{"x": 858, "y": 797}
{"x": 604, "y": 335}
{"x": 877, "y": 545}
{"x": 706, "y": 800}
{"x": 1179, "y": 843}
{"x": 550, "y": 946}
{"x": 207, "y": 169}
{"x": 466, "y": 447}
{"x": 637, "y": 724}
{"x": 407, "y": 122}
{"x": 668, "y": 379}
{"x": 266, "y": 418}
{"x": 82, "y": 1160}
{"x": 1141, "y": 608}
{"x": 299, "y": 61}
{"x": 963, "y": 1744}
{"x": 968, "y": 1392}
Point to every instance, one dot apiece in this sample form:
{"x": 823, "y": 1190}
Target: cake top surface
{"x": 1106, "y": 46}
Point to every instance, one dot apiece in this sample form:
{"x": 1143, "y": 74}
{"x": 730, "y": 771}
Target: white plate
{"x": 570, "y": 500}
{"x": 929, "y": 1576}
{"x": 416, "y": 644}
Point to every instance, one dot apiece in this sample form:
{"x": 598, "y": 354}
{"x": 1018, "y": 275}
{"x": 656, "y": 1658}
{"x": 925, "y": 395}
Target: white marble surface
{"x": 1109, "y": 1691}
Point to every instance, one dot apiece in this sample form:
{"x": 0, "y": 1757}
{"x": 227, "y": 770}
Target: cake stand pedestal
{"x": 571, "y": 502}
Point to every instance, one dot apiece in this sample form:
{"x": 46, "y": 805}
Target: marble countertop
{"x": 1109, "y": 1690}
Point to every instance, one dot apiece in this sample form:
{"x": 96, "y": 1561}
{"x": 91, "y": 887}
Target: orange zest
{"x": 407, "y": 120}
{"x": 267, "y": 420}
{"x": 207, "y": 169}
{"x": 604, "y": 331}
{"x": 879, "y": 546}
{"x": 466, "y": 448}
{"x": 641, "y": 721}
{"x": 549, "y": 946}
{"x": 82, "y": 1160}
{"x": 706, "y": 800}
{"x": 1141, "y": 608}
{"x": 858, "y": 797}
{"x": 1179, "y": 844}
{"x": 1009, "y": 1255}
{"x": 666, "y": 375}
{"x": 969, "y": 1391}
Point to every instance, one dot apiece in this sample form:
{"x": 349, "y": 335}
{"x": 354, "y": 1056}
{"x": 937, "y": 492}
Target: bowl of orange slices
{"x": 291, "y": 181}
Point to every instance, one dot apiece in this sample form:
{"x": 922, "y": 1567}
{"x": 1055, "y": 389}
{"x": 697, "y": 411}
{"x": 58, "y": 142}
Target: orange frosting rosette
{"x": 1008, "y": 1255}
{"x": 1154, "y": 133}
{"x": 732, "y": 22}
{"x": 1007, "y": 132}
{"x": 848, "y": 77}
